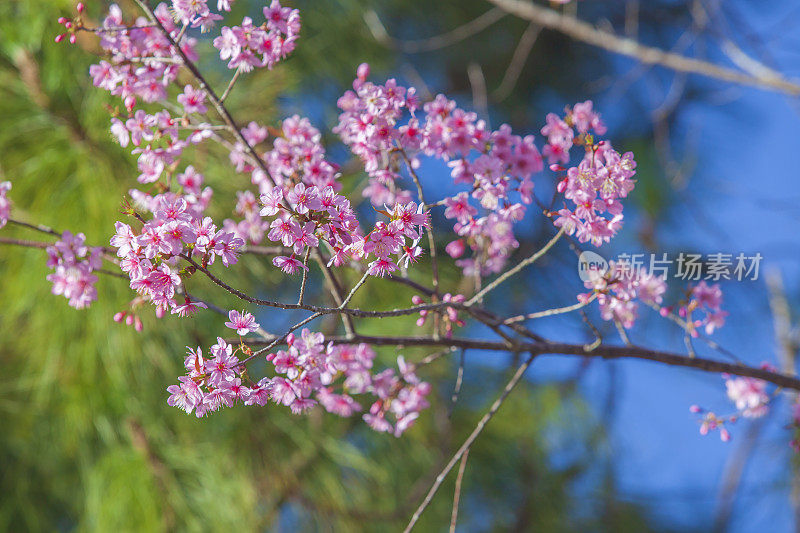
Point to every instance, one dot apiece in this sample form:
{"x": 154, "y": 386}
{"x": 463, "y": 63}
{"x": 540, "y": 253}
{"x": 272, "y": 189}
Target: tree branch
{"x": 585, "y": 32}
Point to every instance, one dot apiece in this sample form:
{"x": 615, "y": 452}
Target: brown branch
{"x": 602, "y": 351}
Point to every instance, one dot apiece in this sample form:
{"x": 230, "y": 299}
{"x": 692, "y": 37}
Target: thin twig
{"x": 36, "y": 227}
{"x": 459, "y": 381}
{"x": 457, "y": 493}
{"x": 516, "y": 268}
{"x": 305, "y": 278}
{"x": 551, "y": 312}
{"x": 467, "y": 443}
{"x": 455, "y": 36}
{"x": 230, "y": 84}
{"x": 517, "y": 63}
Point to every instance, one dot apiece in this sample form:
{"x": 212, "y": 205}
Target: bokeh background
{"x": 87, "y": 442}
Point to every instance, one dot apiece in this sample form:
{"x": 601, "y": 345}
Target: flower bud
{"x": 455, "y": 249}
{"x": 362, "y": 73}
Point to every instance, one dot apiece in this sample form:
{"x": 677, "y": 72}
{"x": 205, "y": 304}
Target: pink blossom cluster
{"x": 561, "y": 133}
{"x": 595, "y": 188}
{"x": 5, "y": 203}
{"x": 297, "y": 155}
{"x": 142, "y": 62}
{"x": 750, "y": 397}
{"x": 156, "y": 140}
{"x": 149, "y": 256}
{"x": 73, "y": 263}
{"x": 251, "y": 228}
{"x": 748, "y": 394}
{"x": 710, "y": 421}
{"x": 71, "y": 25}
{"x": 298, "y": 152}
{"x": 248, "y": 46}
{"x": 306, "y": 373}
{"x": 379, "y": 123}
{"x": 304, "y": 216}
{"x": 195, "y": 13}
{"x": 450, "y": 316}
{"x": 705, "y": 299}
{"x": 619, "y": 289}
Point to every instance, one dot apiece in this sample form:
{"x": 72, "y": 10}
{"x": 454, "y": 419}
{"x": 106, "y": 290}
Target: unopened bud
{"x": 362, "y": 73}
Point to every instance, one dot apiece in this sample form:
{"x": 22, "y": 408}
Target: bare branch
{"x": 467, "y": 443}
{"x": 455, "y": 36}
{"x": 585, "y": 32}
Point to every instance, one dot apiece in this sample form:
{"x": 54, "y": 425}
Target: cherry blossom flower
{"x": 192, "y": 100}
{"x": 242, "y": 322}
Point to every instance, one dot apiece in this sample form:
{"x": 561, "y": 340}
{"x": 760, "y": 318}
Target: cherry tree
{"x": 291, "y": 210}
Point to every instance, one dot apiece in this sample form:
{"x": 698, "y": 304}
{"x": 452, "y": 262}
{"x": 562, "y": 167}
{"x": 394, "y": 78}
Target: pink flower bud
{"x": 129, "y": 320}
{"x": 68, "y": 24}
{"x": 137, "y": 324}
{"x": 72, "y": 39}
{"x": 62, "y": 20}
{"x": 119, "y": 316}
{"x": 455, "y": 249}
{"x": 695, "y": 409}
{"x": 416, "y": 299}
{"x": 562, "y": 185}
{"x": 290, "y": 339}
{"x": 80, "y": 7}
{"x": 724, "y": 435}
{"x": 362, "y": 73}
{"x": 60, "y": 38}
